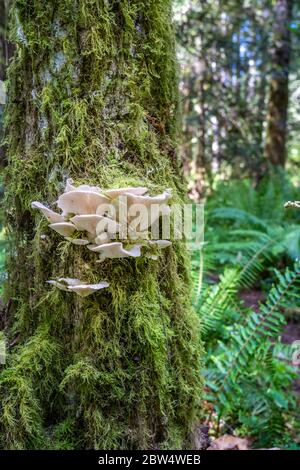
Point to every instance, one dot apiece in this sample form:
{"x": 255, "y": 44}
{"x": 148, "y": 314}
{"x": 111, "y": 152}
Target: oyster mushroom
{"x": 63, "y": 283}
{"x": 83, "y": 187}
{"x": 80, "y": 202}
{"x": 87, "y": 222}
{"x": 86, "y": 289}
{"x": 148, "y": 200}
{"x": 50, "y": 215}
{"x": 116, "y": 250}
{"x": 113, "y": 193}
{"x": 95, "y": 224}
{"x": 66, "y": 229}
{"x": 75, "y": 285}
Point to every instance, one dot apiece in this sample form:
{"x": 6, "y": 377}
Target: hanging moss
{"x": 93, "y": 97}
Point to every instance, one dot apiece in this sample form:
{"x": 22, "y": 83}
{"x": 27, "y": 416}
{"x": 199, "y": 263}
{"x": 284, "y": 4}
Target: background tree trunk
{"x": 275, "y": 147}
{"x": 93, "y": 96}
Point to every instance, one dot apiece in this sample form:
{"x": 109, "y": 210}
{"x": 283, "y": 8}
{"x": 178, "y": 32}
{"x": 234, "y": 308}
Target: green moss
{"x": 93, "y": 97}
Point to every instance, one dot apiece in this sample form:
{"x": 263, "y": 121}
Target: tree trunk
{"x": 276, "y": 133}
{"x": 93, "y": 97}
{"x": 6, "y": 52}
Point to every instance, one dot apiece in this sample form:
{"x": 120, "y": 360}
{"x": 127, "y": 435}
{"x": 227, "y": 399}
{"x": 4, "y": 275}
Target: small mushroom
{"x": 148, "y": 200}
{"x": 86, "y": 289}
{"x": 80, "y": 202}
{"x": 116, "y": 250}
{"x": 63, "y": 283}
{"x": 50, "y": 215}
{"x": 66, "y": 229}
{"x": 75, "y": 285}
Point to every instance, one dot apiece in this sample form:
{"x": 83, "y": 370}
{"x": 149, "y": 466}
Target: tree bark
{"x": 6, "y": 52}
{"x": 276, "y": 133}
{"x": 93, "y": 96}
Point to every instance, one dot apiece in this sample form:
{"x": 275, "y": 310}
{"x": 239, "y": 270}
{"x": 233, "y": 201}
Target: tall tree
{"x": 6, "y": 51}
{"x": 276, "y": 134}
{"x": 93, "y": 96}
{"x": 224, "y": 49}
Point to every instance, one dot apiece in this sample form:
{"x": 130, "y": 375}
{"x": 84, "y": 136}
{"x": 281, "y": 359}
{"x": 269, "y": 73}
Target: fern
{"x": 241, "y": 367}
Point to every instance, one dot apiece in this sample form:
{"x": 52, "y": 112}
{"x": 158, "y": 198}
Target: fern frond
{"x": 247, "y": 339}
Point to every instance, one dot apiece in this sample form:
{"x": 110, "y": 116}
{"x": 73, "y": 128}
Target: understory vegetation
{"x": 246, "y": 290}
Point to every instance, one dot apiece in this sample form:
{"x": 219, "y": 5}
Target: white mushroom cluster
{"x": 96, "y": 219}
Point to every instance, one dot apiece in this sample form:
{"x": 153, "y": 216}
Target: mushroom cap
{"x": 86, "y": 289}
{"x": 87, "y": 222}
{"x": 75, "y": 285}
{"x": 50, "y": 215}
{"x": 58, "y": 285}
{"x": 95, "y": 224}
{"x": 80, "y": 202}
{"x": 148, "y": 200}
{"x": 83, "y": 187}
{"x": 116, "y": 250}
{"x": 66, "y": 229}
{"x": 138, "y": 191}
{"x": 63, "y": 283}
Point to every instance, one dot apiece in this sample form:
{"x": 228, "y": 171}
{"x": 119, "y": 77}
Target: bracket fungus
{"x": 148, "y": 200}
{"x": 114, "y": 193}
{"x": 115, "y": 250}
{"x": 75, "y": 285}
{"x": 80, "y": 202}
{"x": 66, "y": 229}
{"x": 99, "y": 215}
{"x": 50, "y": 215}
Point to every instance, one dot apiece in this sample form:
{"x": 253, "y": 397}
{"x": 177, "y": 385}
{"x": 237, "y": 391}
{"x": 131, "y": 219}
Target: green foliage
{"x": 26, "y": 382}
{"x": 245, "y": 221}
{"x": 248, "y": 371}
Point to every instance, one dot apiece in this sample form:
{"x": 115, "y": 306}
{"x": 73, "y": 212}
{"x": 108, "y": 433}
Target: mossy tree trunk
{"x": 93, "y": 96}
{"x": 276, "y": 133}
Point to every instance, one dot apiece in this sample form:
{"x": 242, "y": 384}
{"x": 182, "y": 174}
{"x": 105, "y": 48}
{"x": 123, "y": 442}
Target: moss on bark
{"x": 93, "y": 96}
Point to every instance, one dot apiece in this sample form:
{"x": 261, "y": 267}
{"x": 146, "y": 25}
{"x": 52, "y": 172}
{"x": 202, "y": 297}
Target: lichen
{"x": 120, "y": 369}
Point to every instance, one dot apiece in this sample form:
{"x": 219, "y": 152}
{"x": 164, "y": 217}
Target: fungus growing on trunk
{"x": 75, "y": 285}
{"x": 98, "y": 216}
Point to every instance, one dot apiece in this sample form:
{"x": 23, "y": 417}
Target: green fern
{"x": 242, "y": 368}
